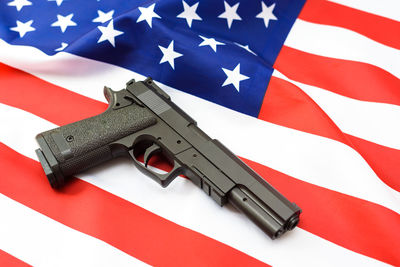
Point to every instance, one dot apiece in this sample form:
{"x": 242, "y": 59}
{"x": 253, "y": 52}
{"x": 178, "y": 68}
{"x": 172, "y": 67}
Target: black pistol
{"x": 141, "y": 120}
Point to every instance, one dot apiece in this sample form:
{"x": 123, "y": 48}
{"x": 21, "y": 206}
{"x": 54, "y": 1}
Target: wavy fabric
{"x": 304, "y": 92}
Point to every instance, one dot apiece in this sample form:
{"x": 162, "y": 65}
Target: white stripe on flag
{"x": 331, "y": 164}
{"x": 336, "y": 42}
{"x": 375, "y": 122}
{"x": 41, "y": 241}
{"x": 188, "y": 206}
{"x": 385, "y": 8}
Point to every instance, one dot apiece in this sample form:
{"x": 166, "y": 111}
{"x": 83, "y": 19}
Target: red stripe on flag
{"x": 353, "y": 223}
{"x": 385, "y": 161}
{"x": 287, "y": 105}
{"x": 348, "y": 78}
{"x": 377, "y": 28}
{"x": 128, "y": 227}
{"x": 350, "y": 222}
{"x": 27, "y": 92}
{"x": 9, "y": 260}
{"x": 336, "y": 225}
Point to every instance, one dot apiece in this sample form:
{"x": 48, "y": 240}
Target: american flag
{"x": 305, "y": 92}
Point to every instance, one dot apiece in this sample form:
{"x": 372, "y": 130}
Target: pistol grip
{"x": 72, "y": 148}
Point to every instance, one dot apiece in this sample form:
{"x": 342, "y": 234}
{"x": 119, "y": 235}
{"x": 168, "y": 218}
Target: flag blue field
{"x": 204, "y": 49}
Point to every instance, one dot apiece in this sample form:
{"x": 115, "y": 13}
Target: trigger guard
{"x": 163, "y": 179}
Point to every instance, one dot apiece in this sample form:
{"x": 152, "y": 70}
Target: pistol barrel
{"x": 261, "y": 214}
{"x": 218, "y": 171}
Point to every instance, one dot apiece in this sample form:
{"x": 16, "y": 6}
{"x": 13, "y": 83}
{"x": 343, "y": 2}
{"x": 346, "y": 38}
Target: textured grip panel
{"x": 84, "y": 144}
{"x": 86, "y": 161}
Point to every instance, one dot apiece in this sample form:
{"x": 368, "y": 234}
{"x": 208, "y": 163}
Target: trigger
{"x": 150, "y": 152}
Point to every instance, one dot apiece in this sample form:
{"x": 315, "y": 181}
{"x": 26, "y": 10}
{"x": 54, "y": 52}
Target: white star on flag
{"x": 230, "y": 14}
{"x": 59, "y": 2}
{"x": 19, "y": 4}
{"x": 169, "y": 54}
{"x": 109, "y": 33}
{"x": 247, "y": 48}
{"x": 147, "y": 14}
{"x": 23, "y": 27}
{"x": 63, "y": 22}
{"x": 103, "y": 17}
{"x": 63, "y": 46}
{"x": 211, "y": 42}
{"x": 189, "y": 13}
{"x": 266, "y": 13}
{"x": 234, "y": 77}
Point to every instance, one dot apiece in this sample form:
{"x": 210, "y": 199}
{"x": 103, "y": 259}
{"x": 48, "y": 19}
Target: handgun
{"x": 140, "y": 122}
